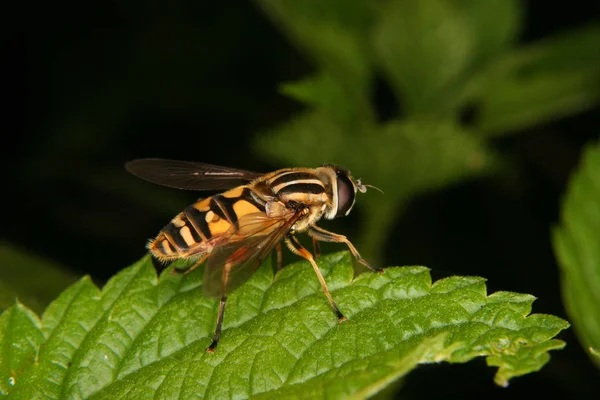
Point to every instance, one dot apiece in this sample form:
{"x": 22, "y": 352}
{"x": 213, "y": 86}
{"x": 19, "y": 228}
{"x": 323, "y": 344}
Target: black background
{"x": 90, "y": 85}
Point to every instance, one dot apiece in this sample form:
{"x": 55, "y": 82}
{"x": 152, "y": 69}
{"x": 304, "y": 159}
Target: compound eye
{"x": 346, "y": 195}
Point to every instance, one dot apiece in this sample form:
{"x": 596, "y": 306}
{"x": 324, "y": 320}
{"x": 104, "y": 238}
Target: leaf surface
{"x": 576, "y": 246}
{"x": 543, "y": 81}
{"x": 141, "y": 336}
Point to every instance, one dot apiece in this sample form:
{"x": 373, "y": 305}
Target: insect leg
{"x": 196, "y": 264}
{"x": 296, "y": 248}
{"x": 326, "y": 236}
{"x": 215, "y": 342}
{"x": 316, "y": 248}
{"x": 216, "y": 337}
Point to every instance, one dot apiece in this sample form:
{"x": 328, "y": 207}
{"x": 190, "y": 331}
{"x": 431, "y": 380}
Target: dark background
{"x": 92, "y": 85}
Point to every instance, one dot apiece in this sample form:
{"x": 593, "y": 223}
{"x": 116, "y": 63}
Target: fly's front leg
{"x": 326, "y": 236}
{"x": 296, "y": 248}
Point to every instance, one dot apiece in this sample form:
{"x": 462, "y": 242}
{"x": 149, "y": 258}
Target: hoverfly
{"x": 234, "y": 231}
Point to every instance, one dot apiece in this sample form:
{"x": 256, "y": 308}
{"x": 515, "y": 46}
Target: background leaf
{"x": 542, "y": 81}
{"x": 141, "y": 336}
{"x": 334, "y": 35}
{"x": 423, "y": 48}
{"x": 494, "y": 26}
{"x": 18, "y": 269}
{"x": 576, "y": 246}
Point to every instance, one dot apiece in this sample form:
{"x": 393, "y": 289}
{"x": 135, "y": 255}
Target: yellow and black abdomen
{"x": 196, "y": 230}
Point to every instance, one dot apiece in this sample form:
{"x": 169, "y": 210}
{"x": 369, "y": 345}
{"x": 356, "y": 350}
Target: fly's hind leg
{"x": 221, "y": 312}
{"x": 296, "y": 248}
{"x": 217, "y": 335}
{"x": 197, "y": 263}
{"x": 200, "y": 260}
{"x": 326, "y": 236}
{"x": 161, "y": 265}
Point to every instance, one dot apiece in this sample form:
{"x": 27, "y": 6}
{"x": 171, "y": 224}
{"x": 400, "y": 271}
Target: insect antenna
{"x": 374, "y": 187}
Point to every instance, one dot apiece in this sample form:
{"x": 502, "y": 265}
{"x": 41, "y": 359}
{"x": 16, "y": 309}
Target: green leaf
{"x": 576, "y": 247}
{"x": 18, "y": 268}
{"x": 20, "y": 339}
{"x": 429, "y": 49}
{"x": 494, "y": 26}
{"x": 65, "y": 325}
{"x": 328, "y": 94}
{"x": 547, "y": 80}
{"x": 334, "y": 34}
{"x": 423, "y": 48}
{"x": 144, "y": 337}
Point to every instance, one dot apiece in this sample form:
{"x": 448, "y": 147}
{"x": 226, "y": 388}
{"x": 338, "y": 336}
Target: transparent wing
{"x": 243, "y": 250}
{"x": 189, "y": 175}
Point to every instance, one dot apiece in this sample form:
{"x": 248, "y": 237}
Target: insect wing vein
{"x": 244, "y": 250}
{"x": 189, "y": 175}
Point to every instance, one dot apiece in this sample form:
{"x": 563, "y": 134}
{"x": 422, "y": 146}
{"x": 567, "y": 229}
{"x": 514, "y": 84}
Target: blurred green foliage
{"x": 32, "y": 280}
{"x": 440, "y": 59}
{"x": 576, "y": 245}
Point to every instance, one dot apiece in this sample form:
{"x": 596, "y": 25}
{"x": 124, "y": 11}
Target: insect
{"x": 234, "y": 231}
